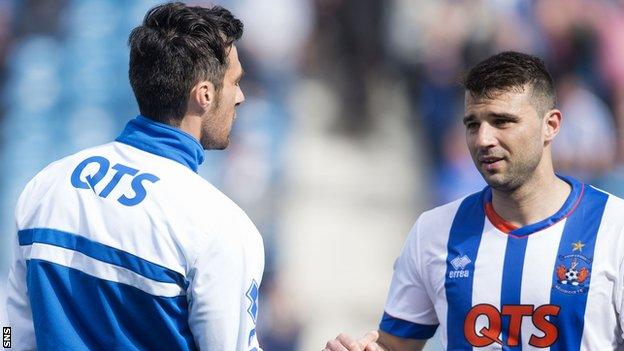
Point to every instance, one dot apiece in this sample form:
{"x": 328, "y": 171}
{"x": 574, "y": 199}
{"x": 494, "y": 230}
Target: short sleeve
{"x": 409, "y": 311}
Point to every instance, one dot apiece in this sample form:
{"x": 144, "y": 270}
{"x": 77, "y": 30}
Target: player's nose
{"x": 240, "y": 96}
{"x": 485, "y": 136}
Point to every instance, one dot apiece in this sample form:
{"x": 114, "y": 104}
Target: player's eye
{"x": 472, "y": 126}
{"x": 501, "y": 122}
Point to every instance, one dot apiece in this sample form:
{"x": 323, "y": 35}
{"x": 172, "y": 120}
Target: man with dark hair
{"x": 123, "y": 246}
{"x": 532, "y": 261}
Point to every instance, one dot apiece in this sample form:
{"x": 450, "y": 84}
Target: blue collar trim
{"x": 578, "y": 188}
{"x": 163, "y": 140}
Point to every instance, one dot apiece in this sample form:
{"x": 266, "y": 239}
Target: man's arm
{"x": 409, "y": 317}
{"x": 18, "y": 304}
{"x": 223, "y": 294}
{"x": 389, "y": 342}
{"x": 18, "y": 307}
{"x": 619, "y": 299}
{"x": 374, "y": 341}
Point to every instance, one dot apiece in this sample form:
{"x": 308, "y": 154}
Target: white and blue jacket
{"x": 124, "y": 247}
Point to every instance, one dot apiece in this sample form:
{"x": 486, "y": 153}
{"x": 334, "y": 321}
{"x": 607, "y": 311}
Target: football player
{"x": 532, "y": 261}
{"x": 124, "y": 246}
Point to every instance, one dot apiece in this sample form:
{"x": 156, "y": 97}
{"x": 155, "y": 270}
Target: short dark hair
{"x": 175, "y": 47}
{"x": 511, "y": 70}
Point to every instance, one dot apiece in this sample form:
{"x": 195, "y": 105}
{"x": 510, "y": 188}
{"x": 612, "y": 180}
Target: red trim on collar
{"x": 506, "y": 227}
{"x": 498, "y": 221}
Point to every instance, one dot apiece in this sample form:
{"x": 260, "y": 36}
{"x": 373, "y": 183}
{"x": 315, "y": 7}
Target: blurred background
{"x": 351, "y": 127}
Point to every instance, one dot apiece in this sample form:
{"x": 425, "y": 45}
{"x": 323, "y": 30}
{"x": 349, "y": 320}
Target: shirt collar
{"x": 163, "y": 140}
{"x": 571, "y": 203}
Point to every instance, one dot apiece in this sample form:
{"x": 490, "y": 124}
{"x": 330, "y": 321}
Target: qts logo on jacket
{"x": 92, "y": 170}
{"x": 494, "y": 327}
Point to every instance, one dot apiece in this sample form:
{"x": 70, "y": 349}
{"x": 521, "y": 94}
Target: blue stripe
{"x": 582, "y": 225}
{"x": 464, "y": 239}
{"x": 512, "y": 282}
{"x": 102, "y": 253}
{"x": 406, "y": 329}
{"x": 74, "y": 311}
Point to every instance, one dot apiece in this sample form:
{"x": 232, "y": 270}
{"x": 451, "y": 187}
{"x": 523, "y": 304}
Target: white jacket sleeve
{"x": 19, "y": 312}
{"x": 619, "y": 299}
{"x": 18, "y": 305}
{"x": 223, "y": 290}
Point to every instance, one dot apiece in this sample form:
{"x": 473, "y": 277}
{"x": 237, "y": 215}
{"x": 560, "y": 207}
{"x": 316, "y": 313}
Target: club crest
{"x": 573, "y": 271}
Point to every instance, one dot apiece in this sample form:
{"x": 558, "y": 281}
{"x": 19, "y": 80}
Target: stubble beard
{"x": 515, "y": 176}
{"x": 211, "y": 129}
{"x": 208, "y": 140}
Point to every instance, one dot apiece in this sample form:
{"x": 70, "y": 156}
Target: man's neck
{"x": 191, "y": 123}
{"x": 537, "y": 199}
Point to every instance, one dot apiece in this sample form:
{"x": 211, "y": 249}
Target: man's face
{"x": 218, "y": 121}
{"x": 505, "y": 137}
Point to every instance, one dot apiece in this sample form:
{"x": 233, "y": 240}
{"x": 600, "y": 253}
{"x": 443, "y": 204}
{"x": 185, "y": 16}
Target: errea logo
{"x": 459, "y": 264}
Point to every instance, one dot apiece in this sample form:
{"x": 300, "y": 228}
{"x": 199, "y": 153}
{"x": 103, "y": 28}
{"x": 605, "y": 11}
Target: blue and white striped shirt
{"x": 557, "y": 284}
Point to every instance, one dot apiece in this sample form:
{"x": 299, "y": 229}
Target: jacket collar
{"x": 163, "y": 140}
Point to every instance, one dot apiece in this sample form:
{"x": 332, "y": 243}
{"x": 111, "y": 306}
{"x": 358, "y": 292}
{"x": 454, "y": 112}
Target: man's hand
{"x": 344, "y": 342}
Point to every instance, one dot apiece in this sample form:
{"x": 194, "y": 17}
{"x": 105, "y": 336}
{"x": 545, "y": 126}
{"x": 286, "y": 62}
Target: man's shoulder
{"x": 446, "y": 212}
{"x": 213, "y": 211}
{"x": 613, "y": 207}
{"x": 199, "y": 197}
{"x": 204, "y": 192}
{"x": 67, "y": 161}
{"x": 614, "y": 200}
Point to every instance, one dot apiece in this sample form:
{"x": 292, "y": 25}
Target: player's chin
{"x": 216, "y": 143}
{"x": 505, "y": 183}
{"x": 222, "y": 145}
{"x": 495, "y": 180}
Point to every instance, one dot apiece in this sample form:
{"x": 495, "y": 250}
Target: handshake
{"x": 344, "y": 342}
{"x": 374, "y": 341}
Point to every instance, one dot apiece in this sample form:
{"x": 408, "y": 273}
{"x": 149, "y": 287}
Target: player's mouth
{"x": 491, "y": 163}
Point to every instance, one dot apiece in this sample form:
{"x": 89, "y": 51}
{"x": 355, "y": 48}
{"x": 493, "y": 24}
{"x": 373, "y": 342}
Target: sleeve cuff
{"x": 405, "y": 329}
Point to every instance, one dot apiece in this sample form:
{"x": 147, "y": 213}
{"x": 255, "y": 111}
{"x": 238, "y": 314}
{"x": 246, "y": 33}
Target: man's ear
{"x": 552, "y": 124}
{"x": 203, "y": 95}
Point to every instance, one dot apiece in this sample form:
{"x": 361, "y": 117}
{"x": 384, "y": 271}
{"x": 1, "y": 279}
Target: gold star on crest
{"x": 577, "y": 246}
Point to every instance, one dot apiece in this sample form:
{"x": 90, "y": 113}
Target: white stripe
{"x": 488, "y": 274}
{"x": 79, "y": 261}
{"x": 537, "y": 278}
{"x": 601, "y": 324}
{"x": 436, "y": 229}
